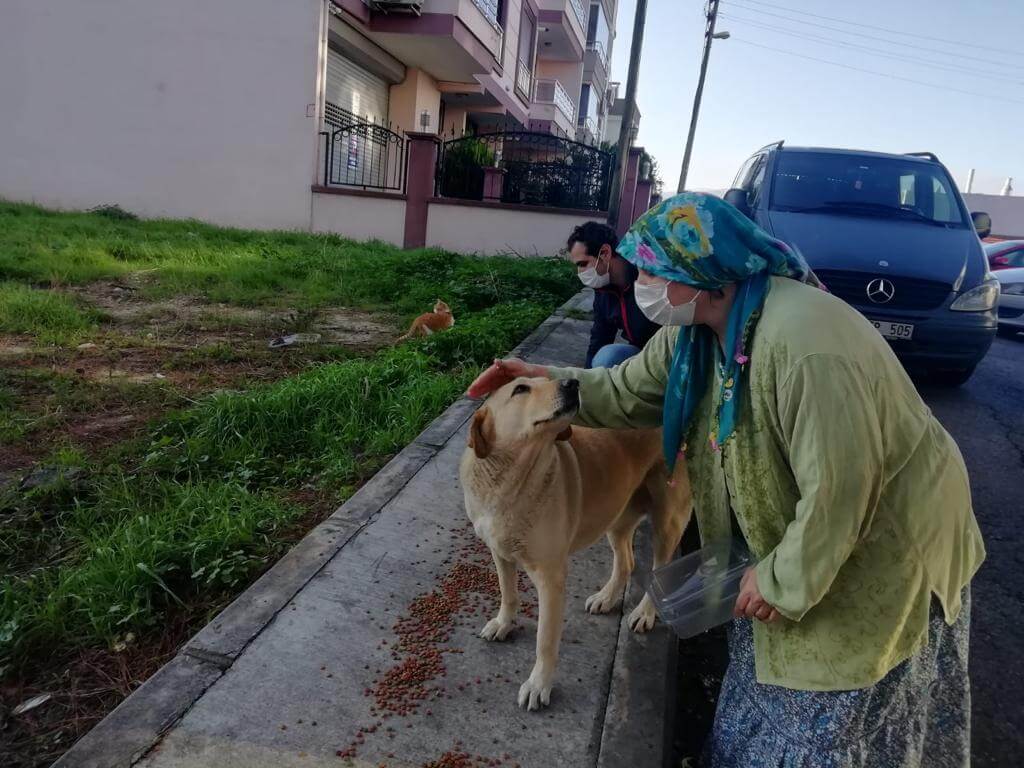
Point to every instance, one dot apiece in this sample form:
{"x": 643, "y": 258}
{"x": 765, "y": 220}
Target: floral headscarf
{"x": 705, "y": 242}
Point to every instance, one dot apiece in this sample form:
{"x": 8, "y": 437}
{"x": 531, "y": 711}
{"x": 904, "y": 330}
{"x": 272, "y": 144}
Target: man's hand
{"x": 501, "y": 373}
{"x": 750, "y": 603}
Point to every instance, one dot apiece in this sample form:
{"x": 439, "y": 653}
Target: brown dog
{"x": 538, "y": 490}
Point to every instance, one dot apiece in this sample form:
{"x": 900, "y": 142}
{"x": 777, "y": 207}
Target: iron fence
{"x": 540, "y": 169}
{"x": 362, "y": 153}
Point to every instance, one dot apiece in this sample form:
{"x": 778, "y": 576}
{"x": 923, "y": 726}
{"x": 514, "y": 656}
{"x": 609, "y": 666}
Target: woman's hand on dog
{"x": 750, "y": 603}
{"x": 501, "y": 373}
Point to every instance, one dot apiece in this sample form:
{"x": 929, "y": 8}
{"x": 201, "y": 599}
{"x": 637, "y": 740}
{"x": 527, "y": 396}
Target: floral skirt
{"x": 918, "y": 715}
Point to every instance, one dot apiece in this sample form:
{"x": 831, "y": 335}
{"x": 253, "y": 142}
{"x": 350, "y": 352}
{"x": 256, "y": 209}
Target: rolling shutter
{"x": 356, "y": 90}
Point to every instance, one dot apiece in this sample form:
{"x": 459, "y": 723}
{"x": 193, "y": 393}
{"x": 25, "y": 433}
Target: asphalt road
{"x": 986, "y": 417}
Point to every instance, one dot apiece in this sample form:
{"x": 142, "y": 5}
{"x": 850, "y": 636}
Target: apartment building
{"x": 241, "y": 112}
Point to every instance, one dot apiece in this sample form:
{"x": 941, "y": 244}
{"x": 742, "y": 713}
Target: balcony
{"x": 552, "y": 103}
{"x": 595, "y": 65}
{"x": 561, "y": 29}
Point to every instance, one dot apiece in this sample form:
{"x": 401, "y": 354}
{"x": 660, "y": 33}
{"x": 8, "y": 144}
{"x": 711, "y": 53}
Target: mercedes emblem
{"x": 881, "y": 291}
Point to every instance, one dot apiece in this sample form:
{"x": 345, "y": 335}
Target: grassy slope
{"x": 196, "y": 507}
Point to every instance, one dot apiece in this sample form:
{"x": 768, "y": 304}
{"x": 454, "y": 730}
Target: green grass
{"x": 200, "y": 504}
{"x": 47, "y": 314}
{"x": 41, "y": 247}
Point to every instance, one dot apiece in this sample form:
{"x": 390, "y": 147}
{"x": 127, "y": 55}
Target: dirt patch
{"x": 151, "y": 355}
{"x": 196, "y": 322}
{"x": 83, "y": 689}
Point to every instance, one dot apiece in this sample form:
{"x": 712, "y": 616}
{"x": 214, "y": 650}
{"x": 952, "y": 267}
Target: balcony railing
{"x": 524, "y": 79}
{"x": 552, "y": 92}
{"x": 581, "y": 12}
{"x": 489, "y": 8}
{"x": 598, "y": 47}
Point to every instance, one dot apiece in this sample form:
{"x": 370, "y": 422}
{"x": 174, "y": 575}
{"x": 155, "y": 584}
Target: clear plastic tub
{"x": 698, "y": 591}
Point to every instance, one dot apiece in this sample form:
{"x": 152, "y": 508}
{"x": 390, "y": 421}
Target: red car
{"x": 1005, "y": 254}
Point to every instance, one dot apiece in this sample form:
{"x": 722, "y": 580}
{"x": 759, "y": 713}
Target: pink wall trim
{"x": 320, "y": 189}
{"x": 506, "y": 99}
{"x": 439, "y": 24}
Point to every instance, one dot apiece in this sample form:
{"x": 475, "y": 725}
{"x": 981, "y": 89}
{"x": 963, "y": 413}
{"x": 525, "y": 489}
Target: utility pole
{"x": 709, "y": 35}
{"x": 628, "y": 113}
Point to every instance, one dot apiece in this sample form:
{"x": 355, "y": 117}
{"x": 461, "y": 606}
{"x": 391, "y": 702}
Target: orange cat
{"x": 430, "y": 322}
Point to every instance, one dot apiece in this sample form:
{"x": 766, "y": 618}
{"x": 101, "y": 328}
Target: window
{"x": 744, "y": 173}
{"x": 599, "y": 34}
{"x": 864, "y": 185}
{"x": 754, "y": 190}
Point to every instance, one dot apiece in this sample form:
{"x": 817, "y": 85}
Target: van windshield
{"x": 863, "y": 185}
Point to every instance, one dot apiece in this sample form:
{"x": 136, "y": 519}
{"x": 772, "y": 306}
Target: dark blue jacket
{"x": 615, "y": 311}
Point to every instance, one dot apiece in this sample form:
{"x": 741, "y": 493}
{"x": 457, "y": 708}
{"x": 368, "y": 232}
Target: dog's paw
{"x": 496, "y": 629}
{"x": 535, "y": 693}
{"x": 643, "y": 617}
{"x": 604, "y": 601}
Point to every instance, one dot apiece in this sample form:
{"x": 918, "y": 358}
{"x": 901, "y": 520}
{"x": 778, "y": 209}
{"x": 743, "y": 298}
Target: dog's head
{"x": 441, "y": 308}
{"x": 525, "y": 410}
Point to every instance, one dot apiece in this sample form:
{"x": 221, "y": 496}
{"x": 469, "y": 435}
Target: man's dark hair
{"x": 593, "y": 235}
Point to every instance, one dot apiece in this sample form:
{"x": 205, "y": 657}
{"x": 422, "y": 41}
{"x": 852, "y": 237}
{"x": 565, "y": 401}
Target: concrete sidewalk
{"x": 360, "y": 646}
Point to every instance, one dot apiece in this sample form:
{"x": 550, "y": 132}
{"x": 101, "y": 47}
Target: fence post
{"x": 419, "y": 180}
{"x": 628, "y": 191}
{"x": 494, "y": 184}
{"x": 643, "y": 199}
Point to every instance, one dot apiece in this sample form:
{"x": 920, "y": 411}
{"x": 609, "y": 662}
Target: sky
{"x": 973, "y": 118}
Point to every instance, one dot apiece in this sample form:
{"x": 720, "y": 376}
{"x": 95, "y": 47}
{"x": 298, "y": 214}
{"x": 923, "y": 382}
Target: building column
{"x": 643, "y": 199}
{"x": 419, "y": 186}
{"x": 628, "y": 193}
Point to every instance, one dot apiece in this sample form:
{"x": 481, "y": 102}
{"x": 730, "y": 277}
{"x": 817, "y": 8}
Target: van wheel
{"x": 951, "y": 378}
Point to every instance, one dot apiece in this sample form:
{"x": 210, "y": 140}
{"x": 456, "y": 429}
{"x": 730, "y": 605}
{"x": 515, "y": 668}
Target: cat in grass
{"x": 430, "y": 322}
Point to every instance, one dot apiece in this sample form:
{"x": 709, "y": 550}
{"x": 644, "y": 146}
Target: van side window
{"x": 744, "y": 173}
{"x": 754, "y": 189}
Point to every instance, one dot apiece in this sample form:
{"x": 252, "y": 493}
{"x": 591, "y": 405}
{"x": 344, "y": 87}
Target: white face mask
{"x": 592, "y": 279}
{"x": 652, "y": 298}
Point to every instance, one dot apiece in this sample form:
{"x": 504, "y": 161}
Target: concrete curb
{"x": 139, "y": 722}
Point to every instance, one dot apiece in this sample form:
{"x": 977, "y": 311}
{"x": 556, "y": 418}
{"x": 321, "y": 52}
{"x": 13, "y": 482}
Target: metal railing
{"x": 540, "y": 169}
{"x": 581, "y": 13}
{"x": 489, "y": 8}
{"x": 598, "y": 47}
{"x": 552, "y": 92}
{"x": 362, "y": 153}
{"x": 524, "y": 79}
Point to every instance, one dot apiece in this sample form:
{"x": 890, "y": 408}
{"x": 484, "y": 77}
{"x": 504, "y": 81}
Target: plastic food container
{"x": 698, "y": 591}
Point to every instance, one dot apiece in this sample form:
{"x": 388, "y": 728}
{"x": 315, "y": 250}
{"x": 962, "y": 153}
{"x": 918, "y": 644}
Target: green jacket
{"x": 848, "y": 491}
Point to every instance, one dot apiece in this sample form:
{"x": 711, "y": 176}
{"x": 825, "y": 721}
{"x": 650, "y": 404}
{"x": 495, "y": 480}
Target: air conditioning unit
{"x": 397, "y": 6}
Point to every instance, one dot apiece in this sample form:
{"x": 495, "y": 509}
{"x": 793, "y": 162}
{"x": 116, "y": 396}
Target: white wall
{"x": 1007, "y": 212}
{"x": 187, "y": 108}
{"x": 490, "y": 231}
{"x": 360, "y": 218}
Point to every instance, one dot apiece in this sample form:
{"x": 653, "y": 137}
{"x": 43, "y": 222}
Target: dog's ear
{"x": 565, "y": 434}
{"x": 481, "y": 433}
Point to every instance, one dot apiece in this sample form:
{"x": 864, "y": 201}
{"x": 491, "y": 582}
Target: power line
{"x": 1016, "y": 80}
{"x": 886, "y": 29}
{"x": 882, "y": 40}
{"x": 880, "y": 74}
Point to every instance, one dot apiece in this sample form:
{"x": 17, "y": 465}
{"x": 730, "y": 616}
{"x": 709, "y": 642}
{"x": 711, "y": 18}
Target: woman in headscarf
{"x": 800, "y": 427}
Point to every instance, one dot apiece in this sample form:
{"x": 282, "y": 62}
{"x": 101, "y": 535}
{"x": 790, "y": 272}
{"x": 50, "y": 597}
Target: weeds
{"x": 48, "y": 315}
{"x": 197, "y": 505}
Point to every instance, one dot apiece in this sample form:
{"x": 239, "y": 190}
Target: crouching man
{"x": 592, "y": 250}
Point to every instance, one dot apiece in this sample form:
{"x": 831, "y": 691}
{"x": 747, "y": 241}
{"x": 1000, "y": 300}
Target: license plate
{"x": 894, "y": 330}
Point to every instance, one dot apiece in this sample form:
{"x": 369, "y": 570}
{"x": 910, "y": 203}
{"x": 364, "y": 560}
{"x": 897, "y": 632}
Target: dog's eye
{"x": 520, "y": 389}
